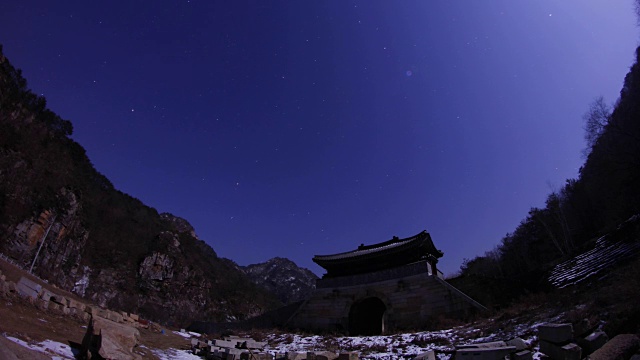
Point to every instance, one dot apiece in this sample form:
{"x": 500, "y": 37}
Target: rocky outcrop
{"x": 156, "y": 266}
{"x": 179, "y": 224}
{"x": 284, "y": 278}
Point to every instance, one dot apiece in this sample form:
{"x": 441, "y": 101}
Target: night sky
{"x": 294, "y": 128}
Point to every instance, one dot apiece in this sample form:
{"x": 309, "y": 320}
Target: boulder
{"x": 622, "y": 346}
{"x": 110, "y": 340}
{"x": 518, "y": 343}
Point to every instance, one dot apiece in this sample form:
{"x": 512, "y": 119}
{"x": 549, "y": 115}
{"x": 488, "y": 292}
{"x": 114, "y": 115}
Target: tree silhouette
{"x": 595, "y": 120}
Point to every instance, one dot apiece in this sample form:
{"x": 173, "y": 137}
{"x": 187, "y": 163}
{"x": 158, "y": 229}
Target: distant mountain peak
{"x": 281, "y": 276}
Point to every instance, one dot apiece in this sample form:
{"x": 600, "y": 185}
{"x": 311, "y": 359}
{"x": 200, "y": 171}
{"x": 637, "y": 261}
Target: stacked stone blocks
{"x": 556, "y": 341}
{"x": 47, "y": 300}
{"x": 237, "y": 348}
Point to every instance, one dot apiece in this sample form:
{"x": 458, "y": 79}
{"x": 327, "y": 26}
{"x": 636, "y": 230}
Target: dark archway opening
{"x": 366, "y": 317}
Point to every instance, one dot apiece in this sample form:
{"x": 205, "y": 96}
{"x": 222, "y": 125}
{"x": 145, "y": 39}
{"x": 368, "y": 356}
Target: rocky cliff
{"x": 284, "y": 278}
{"x": 61, "y": 216}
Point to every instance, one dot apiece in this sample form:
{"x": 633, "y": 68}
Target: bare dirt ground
{"x": 21, "y": 319}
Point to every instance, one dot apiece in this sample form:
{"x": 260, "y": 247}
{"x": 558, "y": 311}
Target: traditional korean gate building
{"x": 383, "y": 287}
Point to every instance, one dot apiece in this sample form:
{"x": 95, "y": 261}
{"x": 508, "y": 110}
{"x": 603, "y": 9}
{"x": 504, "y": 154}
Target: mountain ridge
{"x": 281, "y": 276}
{"x": 61, "y": 216}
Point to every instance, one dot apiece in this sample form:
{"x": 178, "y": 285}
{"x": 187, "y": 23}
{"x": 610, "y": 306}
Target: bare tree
{"x": 595, "y": 120}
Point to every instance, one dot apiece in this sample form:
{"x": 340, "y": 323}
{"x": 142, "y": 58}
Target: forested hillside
{"x": 95, "y": 240}
{"x": 606, "y": 194}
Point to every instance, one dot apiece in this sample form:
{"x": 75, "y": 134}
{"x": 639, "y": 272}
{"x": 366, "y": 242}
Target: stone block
{"x": 620, "y": 347}
{"x": 518, "y": 343}
{"x": 351, "y": 355}
{"x": 134, "y": 317}
{"x": 46, "y": 295}
{"x": 326, "y": 355}
{"x": 522, "y": 355}
{"x": 225, "y": 343}
{"x": 280, "y": 356}
{"x": 78, "y": 305}
{"x": 102, "y": 313}
{"x": 593, "y": 342}
{"x": 232, "y": 353}
{"x": 58, "y": 299}
{"x": 28, "y": 288}
{"x": 11, "y": 286}
{"x": 41, "y": 304}
{"x": 487, "y": 345}
{"x": 194, "y": 342}
{"x": 485, "y": 353}
{"x": 65, "y": 310}
{"x": 114, "y": 316}
{"x": 252, "y": 344}
{"x": 555, "y": 333}
{"x": 294, "y": 355}
{"x": 570, "y": 351}
{"x": 85, "y": 316}
{"x": 255, "y": 356}
{"x": 429, "y": 355}
{"x": 582, "y": 328}
{"x": 109, "y": 340}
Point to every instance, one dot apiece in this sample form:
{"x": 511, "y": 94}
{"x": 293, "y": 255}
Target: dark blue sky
{"x": 305, "y": 127}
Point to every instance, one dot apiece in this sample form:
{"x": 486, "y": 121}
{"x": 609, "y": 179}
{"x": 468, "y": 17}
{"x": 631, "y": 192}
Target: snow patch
{"x": 173, "y": 354}
{"x": 81, "y": 285}
{"x": 61, "y": 351}
{"x": 187, "y": 335}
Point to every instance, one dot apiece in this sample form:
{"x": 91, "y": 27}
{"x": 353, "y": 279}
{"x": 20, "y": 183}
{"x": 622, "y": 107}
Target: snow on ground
{"x": 187, "y": 334}
{"x": 402, "y": 346}
{"x": 173, "y": 354}
{"x": 52, "y": 348}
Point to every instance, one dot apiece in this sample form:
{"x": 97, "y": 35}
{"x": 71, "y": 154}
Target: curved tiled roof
{"x": 390, "y": 253}
{"x": 365, "y": 250}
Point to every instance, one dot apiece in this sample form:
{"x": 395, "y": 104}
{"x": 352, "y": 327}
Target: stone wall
{"x": 413, "y": 301}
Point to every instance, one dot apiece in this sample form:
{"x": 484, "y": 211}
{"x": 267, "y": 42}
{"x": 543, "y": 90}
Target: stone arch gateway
{"x": 367, "y": 317}
{"x": 380, "y": 288}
